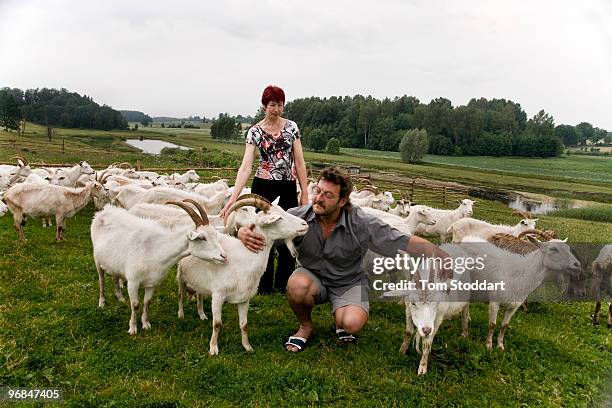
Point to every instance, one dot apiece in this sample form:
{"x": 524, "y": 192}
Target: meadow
{"x": 52, "y": 334}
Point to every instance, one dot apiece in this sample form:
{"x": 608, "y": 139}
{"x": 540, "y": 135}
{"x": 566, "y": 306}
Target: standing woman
{"x": 280, "y": 150}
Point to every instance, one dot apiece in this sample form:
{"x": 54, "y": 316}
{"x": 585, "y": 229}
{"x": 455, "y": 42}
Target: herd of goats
{"x": 148, "y": 223}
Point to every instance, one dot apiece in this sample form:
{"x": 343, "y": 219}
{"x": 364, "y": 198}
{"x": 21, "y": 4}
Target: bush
{"x": 414, "y": 145}
{"x": 317, "y": 139}
{"x": 333, "y": 146}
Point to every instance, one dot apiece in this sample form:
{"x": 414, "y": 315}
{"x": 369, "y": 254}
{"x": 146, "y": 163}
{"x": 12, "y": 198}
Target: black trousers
{"x": 287, "y": 191}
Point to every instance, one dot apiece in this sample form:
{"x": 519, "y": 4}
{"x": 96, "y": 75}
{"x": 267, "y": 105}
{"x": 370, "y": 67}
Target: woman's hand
{"x": 304, "y": 198}
{"x": 226, "y": 207}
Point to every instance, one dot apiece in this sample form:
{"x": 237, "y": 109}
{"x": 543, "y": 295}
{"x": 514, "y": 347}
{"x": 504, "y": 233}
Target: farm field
{"x": 52, "y": 334}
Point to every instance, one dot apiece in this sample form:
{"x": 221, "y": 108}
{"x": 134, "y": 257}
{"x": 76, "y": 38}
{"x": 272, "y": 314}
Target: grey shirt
{"x": 337, "y": 260}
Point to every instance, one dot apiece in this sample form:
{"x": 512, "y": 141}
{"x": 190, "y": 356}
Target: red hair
{"x": 272, "y": 93}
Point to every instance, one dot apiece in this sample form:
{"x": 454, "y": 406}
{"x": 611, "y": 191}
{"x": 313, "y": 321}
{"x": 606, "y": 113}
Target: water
{"x": 151, "y": 146}
{"x": 541, "y": 206}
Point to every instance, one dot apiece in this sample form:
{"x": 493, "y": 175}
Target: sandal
{"x": 299, "y": 342}
{"x": 343, "y": 336}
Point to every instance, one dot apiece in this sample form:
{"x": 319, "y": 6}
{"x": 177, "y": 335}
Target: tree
{"x": 317, "y": 139}
{"x": 224, "y": 127}
{"x": 585, "y": 132}
{"x": 414, "y": 145}
{"x": 10, "y": 112}
{"x": 333, "y": 146}
{"x": 567, "y": 134}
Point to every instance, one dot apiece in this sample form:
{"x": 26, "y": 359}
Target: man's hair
{"x": 338, "y": 175}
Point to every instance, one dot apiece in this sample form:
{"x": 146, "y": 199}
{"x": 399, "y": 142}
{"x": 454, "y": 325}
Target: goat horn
{"x": 47, "y": 170}
{"x": 201, "y": 210}
{"x": 195, "y": 217}
{"x": 122, "y": 165}
{"x": 254, "y": 200}
{"x": 370, "y": 188}
{"x": 25, "y": 162}
{"x": 523, "y": 214}
{"x": 104, "y": 176}
{"x": 547, "y": 234}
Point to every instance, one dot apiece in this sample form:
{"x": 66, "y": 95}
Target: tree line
{"x": 495, "y": 127}
{"x": 54, "y": 107}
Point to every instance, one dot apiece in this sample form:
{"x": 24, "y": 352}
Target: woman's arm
{"x": 300, "y": 168}
{"x": 244, "y": 172}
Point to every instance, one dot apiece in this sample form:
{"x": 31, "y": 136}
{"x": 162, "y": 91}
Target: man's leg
{"x": 351, "y": 318}
{"x": 301, "y": 294}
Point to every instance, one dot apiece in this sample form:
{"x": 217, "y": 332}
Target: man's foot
{"x": 294, "y": 344}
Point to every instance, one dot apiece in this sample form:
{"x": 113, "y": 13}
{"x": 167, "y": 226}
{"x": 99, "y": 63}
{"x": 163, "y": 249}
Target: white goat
{"x": 407, "y": 225}
{"x": 482, "y": 229}
{"x": 130, "y": 195}
{"x": 141, "y": 252}
{"x": 15, "y": 174}
{"x": 444, "y": 219}
{"x": 45, "y": 200}
{"x": 602, "y": 281}
{"x": 237, "y": 280}
{"x": 427, "y": 307}
{"x": 186, "y": 177}
{"x": 69, "y": 177}
{"x": 522, "y": 266}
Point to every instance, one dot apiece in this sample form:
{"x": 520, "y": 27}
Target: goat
{"x": 141, "y": 252}
{"x": 44, "y": 200}
{"x": 522, "y": 266}
{"x": 236, "y": 281}
{"x": 69, "y": 177}
{"x": 478, "y": 228}
{"x": 13, "y": 176}
{"x": 427, "y": 307}
{"x": 602, "y": 281}
{"x": 445, "y": 218}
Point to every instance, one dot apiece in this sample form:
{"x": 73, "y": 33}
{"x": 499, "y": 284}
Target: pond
{"x": 152, "y": 146}
{"x": 542, "y": 205}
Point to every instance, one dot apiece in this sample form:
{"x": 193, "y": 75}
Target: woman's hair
{"x": 272, "y": 93}
{"x": 338, "y": 175}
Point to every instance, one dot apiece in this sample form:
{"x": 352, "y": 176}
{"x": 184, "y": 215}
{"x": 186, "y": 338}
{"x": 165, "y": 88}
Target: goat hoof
{"x": 203, "y": 317}
{"x": 489, "y": 346}
{"x": 248, "y": 348}
{"x": 213, "y": 351}
{"x": 101, "y": 304}
{"x": 146, "y": 326}
{"x": 500, "y": 347}
{"x": 403, "y": 348}
{"x": 132, "y": 331}
{"x": 422, "y": 370}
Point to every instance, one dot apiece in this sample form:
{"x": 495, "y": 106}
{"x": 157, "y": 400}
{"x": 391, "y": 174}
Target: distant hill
{"x": 136, "y": 116}
{"x": 166, "y": 119}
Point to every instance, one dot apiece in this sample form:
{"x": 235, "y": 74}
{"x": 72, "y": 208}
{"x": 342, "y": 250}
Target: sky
{"x": 185, "y": 58}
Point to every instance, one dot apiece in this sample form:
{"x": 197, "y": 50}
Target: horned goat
{"x": 478, "y": 228}
{"x": 141, "y": 252}
{"x": 236, "y": 281}
{"x": 522, "y": 266}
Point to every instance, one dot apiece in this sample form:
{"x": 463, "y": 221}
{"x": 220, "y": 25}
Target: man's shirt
{"x": 337, "y": 260}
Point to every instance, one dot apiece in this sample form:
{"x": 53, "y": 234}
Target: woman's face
{"x": 274, "y": 109}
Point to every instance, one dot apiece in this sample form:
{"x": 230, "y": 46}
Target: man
{"x": 330, "y": 255}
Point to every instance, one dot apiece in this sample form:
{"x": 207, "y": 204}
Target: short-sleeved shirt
{"x": 337, "y": 260}
{"x": 276, "y": 153}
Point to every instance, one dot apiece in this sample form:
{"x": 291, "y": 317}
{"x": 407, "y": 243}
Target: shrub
{"x": 414, "y": 145}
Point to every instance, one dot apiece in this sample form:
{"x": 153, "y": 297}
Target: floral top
{"x": 276, "y": 153}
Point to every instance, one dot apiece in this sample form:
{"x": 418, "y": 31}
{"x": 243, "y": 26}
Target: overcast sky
{"x": 184, "y": 58}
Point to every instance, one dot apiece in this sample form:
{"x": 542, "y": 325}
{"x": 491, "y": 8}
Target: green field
{"x": 52, "y": 333}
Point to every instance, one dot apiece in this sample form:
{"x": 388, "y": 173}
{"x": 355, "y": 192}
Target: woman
{"x": 280, "y": 149}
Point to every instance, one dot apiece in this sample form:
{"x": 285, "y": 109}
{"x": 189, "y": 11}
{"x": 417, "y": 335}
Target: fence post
{"x": 63, "y": 145}
{"x": 444, "y": 195}
{"x": 412, "y": 189}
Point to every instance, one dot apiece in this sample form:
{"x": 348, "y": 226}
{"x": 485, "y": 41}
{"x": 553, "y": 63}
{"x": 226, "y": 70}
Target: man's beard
{"x": 324, "y": 209}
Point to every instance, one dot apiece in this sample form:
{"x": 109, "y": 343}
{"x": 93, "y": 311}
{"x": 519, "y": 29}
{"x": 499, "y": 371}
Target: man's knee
{"x": 300, "y": 285}
{"x": 352, "y": 319}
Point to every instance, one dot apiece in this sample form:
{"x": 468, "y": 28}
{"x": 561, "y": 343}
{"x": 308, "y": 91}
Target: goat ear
{"x": 267, "y": 219}
{"x": 193, "y": 235}
{"x": 275, "y": 202}
{"x": 535, "y": 219}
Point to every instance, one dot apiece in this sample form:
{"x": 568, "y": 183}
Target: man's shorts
{"x": 356, "y": 294}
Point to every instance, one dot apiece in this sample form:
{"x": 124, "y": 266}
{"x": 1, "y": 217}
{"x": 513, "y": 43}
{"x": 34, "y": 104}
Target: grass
{"x": 597, "y": 213}
{"x": 52, "y": 333}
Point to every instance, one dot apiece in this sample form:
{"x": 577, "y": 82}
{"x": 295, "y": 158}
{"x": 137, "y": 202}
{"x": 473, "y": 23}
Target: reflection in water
{"x": 541, "y": 206}
{"x": 152, "y": 146}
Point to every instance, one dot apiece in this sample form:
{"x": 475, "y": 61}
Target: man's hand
{"x": 252, "y": 240}
{"x": 446, "y": 272}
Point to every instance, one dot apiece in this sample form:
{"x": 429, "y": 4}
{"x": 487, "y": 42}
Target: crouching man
{"x": 331, "y": 253}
